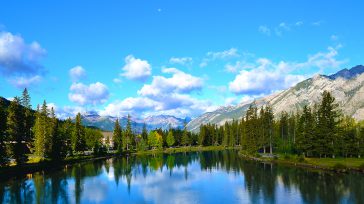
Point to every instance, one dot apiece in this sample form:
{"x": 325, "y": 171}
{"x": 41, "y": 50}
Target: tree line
{"x": 320, "y": 130}
{"x": 25, "y": 133}
{"x": 127, "y": 140}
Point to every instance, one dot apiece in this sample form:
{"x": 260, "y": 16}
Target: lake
{"x": 196, "y": 177}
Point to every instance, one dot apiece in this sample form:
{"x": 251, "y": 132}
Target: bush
{"x": 339, "y": 166}
{"x": 287, "y": 157}
{"x": 301, "y": 158}
{"x": 361, "y": 167}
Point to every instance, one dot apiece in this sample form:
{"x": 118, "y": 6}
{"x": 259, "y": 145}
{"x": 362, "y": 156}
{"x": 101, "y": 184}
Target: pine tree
{"x": 78, "y": 135}
{"x": 145, "y": 132}
{"x": 15, "y": 131}
{"x": 117, "y": 136}
{"x": 283, "y": 126}
{"x": 170, "y": 138}
{"x": 268, "y": 128}
{"x": 327, "y": 125}
{"x": 28, "y": 115}
{"x": 58, "y": 148}
{"x": 39, "y": 134}
{"x": 3, "y": 151}
{"x": 251, "y": 129}
{"x": 185, "y": 140}
{"x": 127, "y": 135}
{"x": 305, "y": 139}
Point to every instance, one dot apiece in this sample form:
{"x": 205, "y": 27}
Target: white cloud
{"x": 239, "y": 65}
{"x": 262, "y": 80}
{"x": 117, "y": 81}
{"x": 264, "y": 29}
{"x": 223, "y": 55}
{"x": 180, "y": 82}
{"x": 181, "y": 60}
{"x": 77, "y": 73}
{"x": 164, "y": 95}
{"x": 232, "y": 52}
{"x": 25, "y": 82}
{"x": 267, "y": 77}
{"x": 66, "y": 111}
{"x": 136, "y": 69}
{"x": 19, "y": 58}
{"x": 82, "y": 94}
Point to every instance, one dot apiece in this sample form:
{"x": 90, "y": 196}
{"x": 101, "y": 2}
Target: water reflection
{"x": 207, "y": 177}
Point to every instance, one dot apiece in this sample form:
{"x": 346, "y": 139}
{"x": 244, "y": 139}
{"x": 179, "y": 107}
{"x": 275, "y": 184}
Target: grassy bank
{"x": 332, "y": 164}
{"x": 182, "y": 149}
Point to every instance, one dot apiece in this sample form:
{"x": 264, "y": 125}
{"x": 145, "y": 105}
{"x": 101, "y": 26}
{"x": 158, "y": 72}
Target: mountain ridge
{"x": 347, "y": 86}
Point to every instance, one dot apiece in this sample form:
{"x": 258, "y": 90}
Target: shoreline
{"x": 305, "y": 164}
{"x": 10, "y": 172}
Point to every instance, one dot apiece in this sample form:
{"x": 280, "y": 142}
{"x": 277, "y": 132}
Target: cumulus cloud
{"x": 136, "y": 69}
{"x": 18, "y": 57}
{"x": 222, "y": 55}
{"x": 181, "y": 60}
{"x": 25, "y": 82}
{"x": 266, "y": 76}
{"x": 180, "y": 82}
{"x": 77, "y": 73}
{"x": 66, "y": 111}
{"x": 164, "y": 95}
{"x": 82, "y": 94}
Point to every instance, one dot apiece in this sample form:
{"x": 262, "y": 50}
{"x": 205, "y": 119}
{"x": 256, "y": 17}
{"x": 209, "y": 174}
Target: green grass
{"x": 182, "y": 149}
{"x": 325, "y": 163}
{"x": 331, "y": 162}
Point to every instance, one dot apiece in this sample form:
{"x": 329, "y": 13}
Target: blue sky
{"x": 170, "y": 57}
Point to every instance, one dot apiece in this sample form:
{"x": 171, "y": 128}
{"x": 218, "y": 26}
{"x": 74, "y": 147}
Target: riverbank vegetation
{"x": 317, "y": 131}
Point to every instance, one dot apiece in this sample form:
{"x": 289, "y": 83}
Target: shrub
{"x": 301, "y": 158}
{"x": 361, "y": 167}
{"x": 339, "y": 166}
{"x": 287, "y": 157}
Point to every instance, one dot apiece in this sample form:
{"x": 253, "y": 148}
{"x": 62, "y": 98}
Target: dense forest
{"x": 38, "y": 135}
{"x": 317, "y": 131}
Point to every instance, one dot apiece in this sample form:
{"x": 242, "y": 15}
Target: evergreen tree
{"x": 305, "y": 132}
{"x": 251, "y": 129}
{"x": 327, "y": 125}
{"x": 58, "y": 146}
{"x": 283, "y": 127}
{"x": 145, "y": 132}
{"x": 170, "y": 138}
{"x": 127, "y": 135}
{"x": 39, "y": 134}
{"x": 78, "y": 135}
{"x": 3, "y": 151}
{"x": 15, "y": 131}
{"x": 117, "y": 136}
{"x": 28, "y": 115}
{"x": 185, "y": 140}
{"x": 268, "y": 128}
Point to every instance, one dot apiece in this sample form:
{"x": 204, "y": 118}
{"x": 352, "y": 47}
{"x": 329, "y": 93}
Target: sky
{"x": 180, "y": 58}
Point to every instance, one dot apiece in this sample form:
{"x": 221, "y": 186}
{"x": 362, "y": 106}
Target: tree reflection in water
{"x": 263, "y": 182}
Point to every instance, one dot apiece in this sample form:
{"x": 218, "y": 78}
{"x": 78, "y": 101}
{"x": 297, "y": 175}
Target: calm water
{"x": 208, "y": 177}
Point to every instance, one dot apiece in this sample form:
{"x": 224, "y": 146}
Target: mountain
{"x": 152, "y": 122}
{"x": 347, "y": 86}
